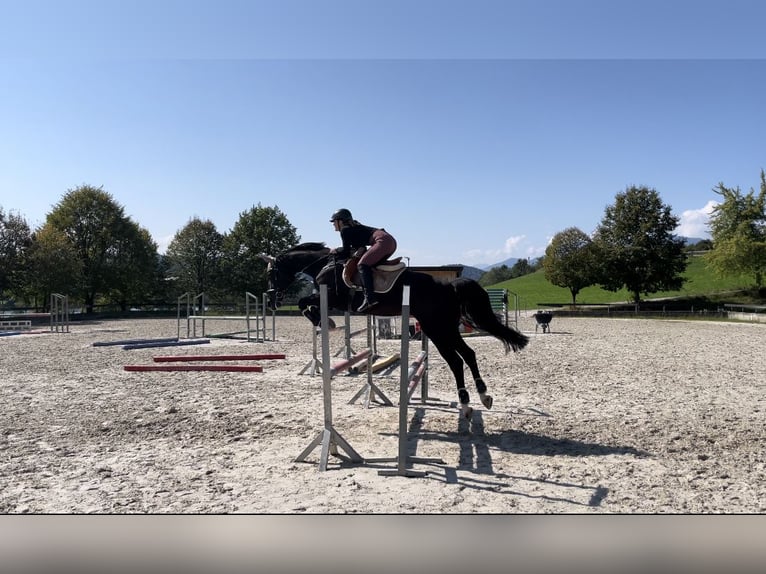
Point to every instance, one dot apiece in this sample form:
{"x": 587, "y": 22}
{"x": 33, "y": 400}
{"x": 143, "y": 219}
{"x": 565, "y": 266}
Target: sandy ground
{"x": 598, "y": 416}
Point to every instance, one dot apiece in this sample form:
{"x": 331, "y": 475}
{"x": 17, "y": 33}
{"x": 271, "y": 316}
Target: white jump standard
{"x": 328, "y": 437}
{"x": 406, "y": 387}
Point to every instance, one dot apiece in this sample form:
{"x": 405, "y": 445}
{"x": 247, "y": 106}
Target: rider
{"x": 355, "y": 235}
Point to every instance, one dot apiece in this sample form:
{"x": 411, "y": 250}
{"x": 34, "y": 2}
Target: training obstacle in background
{"x": 206, "y": 358}
{"x": 190, "y": 358}
{"x": 353, "y": 363}
{"x": 329, "y": 438}
{"x": 347, "y": 348}
{"x": 377, "y": 363}
{"x": 9, "y": 333}
{"x": 18, "y": 327}
{"x": 15, "y": 325}
{"x": 128, "y": 344}
{"x": 155, "y": 344}
{"x": 133, "y": 342}
{"x": 17, "y": 320}
{"x": 314, "y": 366}
{"x": 369, "y": 390}
{"x": 218, "y": 368}
{"x": 255, "y": 315}
{"x": 59, "y": 313}
{"x": 390, "y": 362}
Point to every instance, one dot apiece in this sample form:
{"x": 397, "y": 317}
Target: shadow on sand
{"x": 475, "y": 467}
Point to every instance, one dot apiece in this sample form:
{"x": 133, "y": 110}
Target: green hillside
{"x": 535, "y": 291}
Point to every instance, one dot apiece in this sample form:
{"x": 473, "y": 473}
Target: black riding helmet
{"x": 342, "y": 214}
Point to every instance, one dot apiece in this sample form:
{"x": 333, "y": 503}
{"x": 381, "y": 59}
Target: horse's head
{"x": 283, "y": 269}
{"x": 277, "y": 282}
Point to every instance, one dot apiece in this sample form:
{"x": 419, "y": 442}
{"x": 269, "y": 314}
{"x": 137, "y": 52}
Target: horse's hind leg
{"x": 455, "y": 363}
{"x": 469, "y": 356}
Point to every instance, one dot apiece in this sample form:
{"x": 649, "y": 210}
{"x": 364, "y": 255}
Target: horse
{"x": 439, "y": 306}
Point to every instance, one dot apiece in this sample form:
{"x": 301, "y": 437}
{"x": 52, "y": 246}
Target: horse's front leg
{"x": 309, "y": 308}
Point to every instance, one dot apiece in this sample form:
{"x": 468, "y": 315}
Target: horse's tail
{"x": 476, "y": 310}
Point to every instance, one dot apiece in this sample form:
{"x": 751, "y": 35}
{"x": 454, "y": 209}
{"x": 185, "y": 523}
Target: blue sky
{"x": 473, "y": 131}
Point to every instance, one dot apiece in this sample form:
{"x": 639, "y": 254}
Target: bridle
{"x": 277, "y": 293}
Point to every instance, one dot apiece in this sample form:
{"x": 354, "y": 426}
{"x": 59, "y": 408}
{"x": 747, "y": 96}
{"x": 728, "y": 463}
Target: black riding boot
{"x": 370, "y": 299}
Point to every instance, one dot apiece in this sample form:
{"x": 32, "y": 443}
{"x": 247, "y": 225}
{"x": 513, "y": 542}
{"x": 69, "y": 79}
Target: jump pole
{"x": 404, "y": 460}
{"x": 328, "y": 437}
{"x": 169, "y": 344}
{"x": 219, "y": 368}
{"x": 370, "y": 389}
{"x": 187, "y": 358}
{"x": 134, "y": 342}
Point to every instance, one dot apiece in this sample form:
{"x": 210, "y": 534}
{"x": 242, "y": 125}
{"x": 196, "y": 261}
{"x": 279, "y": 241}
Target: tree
{"x": 570, "y": 261}
{"x": 258, "y": 230}
{"x": 136, "y": 265}
{"x": 636, "y": 246}
{"x": 53, "y": 266}
{"x": 15, "y": 239}
{"x": 521, "y": 267}
{"x": 701, "y": 245}
{"x": 194, "y": 256}
{"x": 738, "y": 228}
{"x": 99, "y": 231}
{"x": 504, "y": 273}
{"x": 496, "y": 275}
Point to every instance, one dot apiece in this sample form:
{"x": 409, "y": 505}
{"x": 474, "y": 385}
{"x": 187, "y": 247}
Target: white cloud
{"x": 516, "y": 246}
{"x": 163, "y": 243}
{"x": 694, "y": 222}
{"x": 512, "y": 243}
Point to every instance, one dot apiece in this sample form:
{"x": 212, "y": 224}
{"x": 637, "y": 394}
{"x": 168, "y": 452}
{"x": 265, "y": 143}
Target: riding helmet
{"x": 343, "y": 214}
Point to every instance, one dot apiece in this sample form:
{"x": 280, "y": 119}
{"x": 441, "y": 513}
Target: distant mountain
{"x": 510, "y": 262}
{"x": 477, "y": 272}
{"x": 472, "y": 272}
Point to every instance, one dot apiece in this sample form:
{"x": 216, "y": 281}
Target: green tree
{"x": 136, "y": 265}
{"x": 258, "y": 230}
{"x": 99, "y": 230}
{"x": 702, "y": 245}
{"x": 53, "y": 266}
{"x": 520, "y": 268}
{"x": 570, "y": 261}
{"x": 15, "y": 239}
{"x": 496, "y": 275}
{"x": 636, "y": 246}
{"x": 738, "y": 228}
{"x": 194, "y": 257}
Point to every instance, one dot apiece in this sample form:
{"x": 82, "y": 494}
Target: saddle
{"x": 384, "y": 274}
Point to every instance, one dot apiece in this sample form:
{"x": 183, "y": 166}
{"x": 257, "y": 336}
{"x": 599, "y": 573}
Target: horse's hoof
{"x": 468, "y": 413}
{"x": 487, "y": 400}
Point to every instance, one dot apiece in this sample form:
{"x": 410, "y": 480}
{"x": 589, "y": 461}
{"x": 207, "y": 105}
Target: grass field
{"x": 702, "y": 284}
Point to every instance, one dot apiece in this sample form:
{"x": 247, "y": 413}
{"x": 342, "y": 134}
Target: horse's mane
{"x": 309, "y": 246}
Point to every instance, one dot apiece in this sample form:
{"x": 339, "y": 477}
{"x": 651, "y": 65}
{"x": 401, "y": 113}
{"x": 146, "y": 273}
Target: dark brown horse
{"x": 438, "y": 306}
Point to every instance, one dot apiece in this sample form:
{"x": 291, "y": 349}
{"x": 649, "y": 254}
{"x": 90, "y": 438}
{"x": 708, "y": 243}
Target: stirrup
{"x": 366, "y": 304}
